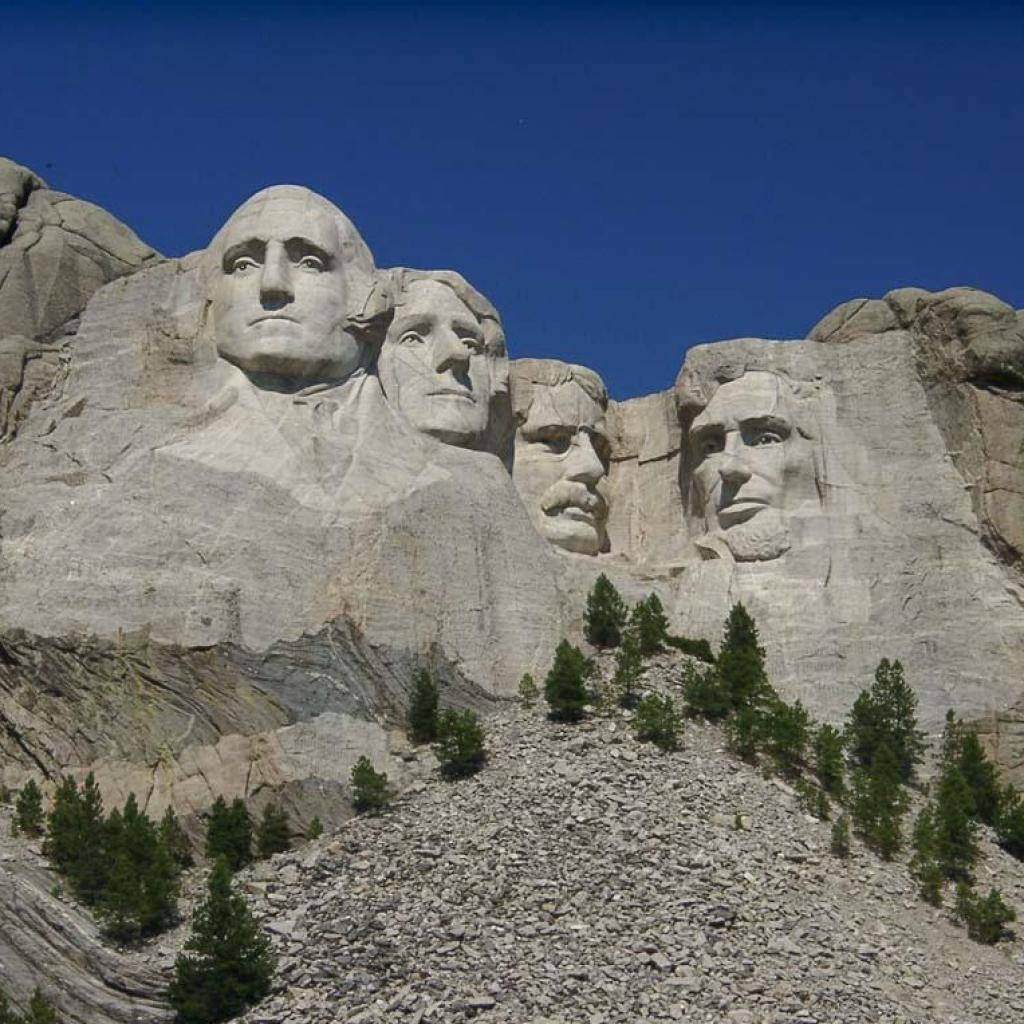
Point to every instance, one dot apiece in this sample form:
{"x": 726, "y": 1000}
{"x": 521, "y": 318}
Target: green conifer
{"x": 273, "y": 834}
{"x": 422, "y": 714}
{"x": 28, "y": 809}
{"x": 879, "y": 803}
{"x": 924, "y": 864}
{"x": 956, "y": 835}
{"x": 565, "y": 687}
{"x": 227, "y": 964}
{"x": 605, "y": 615}
{"x": 175, "y": 841}
{"x": 828, "y": 749}
{"x": 629, "y": 664}
{"x": 229, "y": 833}
{"x": 704, "y": 692}
{"x": 528, "y": 692}
{"x": 460, "y": 743}
{"x": 649, "y": 624}
{"x": 371, "y": 792}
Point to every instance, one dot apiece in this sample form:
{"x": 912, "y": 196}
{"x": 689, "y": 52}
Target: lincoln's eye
{"x": 243, "y": 264}
{"x": 312, "y": 263}
{"x": 765, "y": 437}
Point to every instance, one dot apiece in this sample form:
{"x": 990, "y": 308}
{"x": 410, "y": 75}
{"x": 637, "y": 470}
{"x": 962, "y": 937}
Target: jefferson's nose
{"x": 450, "y": 352}
{"x": 584, "y": 464}
{"x": 276, "y": 276}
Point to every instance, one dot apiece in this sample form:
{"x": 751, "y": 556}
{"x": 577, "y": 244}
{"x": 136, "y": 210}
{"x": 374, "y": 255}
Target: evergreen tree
{"x": 40, "y": 1009}
{"x": 528, "y": 692}
{"x": 629, "y": 664}
{"x": 828, "y": 748}
{"x": 227, "y": 964}
{"x": 460, "y": 743}
{"x": 605, "y": 615}
{"x": 879, "y": 803}
{"x": 787, "y": 729}
{"x": 175, "y": 841}
{"x": 565, "y": 687}
{"x": 370, "y": 790}
{"x": 647, "y": 621}
{"x": 704, "y": 692}
{"x": 840, "y": 841}
{"x": 62, "y": 826}
{"x": 962, "y": 748}
{"x": 986, "y": 919}
{"x": 924, "y": 864}
{"x": 744, "y": 729}
{"x": 658, "y": 721}
{"x": 76, "y": 840}
{"x": 229, "y": 833}
{"x": 886, "y": 714}
{"x": 1010, "y": 822}
{"x": 422, "y": 714}
{"x": 28, "y": 809}
{"x": 273, "y": 834}
{"x": 741, "y": 661}
{"x": 956, "y": 835}
{"x": 316, "y": 829}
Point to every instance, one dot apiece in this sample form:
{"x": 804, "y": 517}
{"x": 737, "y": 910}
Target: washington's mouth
{"x": 272, "y": 317}
{"x": 740, "y": 511}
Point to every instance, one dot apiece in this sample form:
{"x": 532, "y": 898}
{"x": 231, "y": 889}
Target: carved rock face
{"x": 752, "y": 465}
{"x": 561, "y": 463}
{"x": 279, "y": 288}
{"x": 434, "y": 365}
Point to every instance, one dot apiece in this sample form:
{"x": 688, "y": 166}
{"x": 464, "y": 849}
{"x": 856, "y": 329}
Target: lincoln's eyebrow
{"x": 767, "y": 422}
{"x": 702, "y": 429}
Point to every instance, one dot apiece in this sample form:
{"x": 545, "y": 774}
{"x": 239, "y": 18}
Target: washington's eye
{"x": 410, "y": 338}
{"x": 312, "y": 263}
{"x": 765, "y": 437}
{"x": 241, "y": 264}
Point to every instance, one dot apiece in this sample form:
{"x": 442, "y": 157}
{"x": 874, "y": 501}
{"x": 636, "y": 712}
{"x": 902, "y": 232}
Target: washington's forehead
{"x": 280, "y": 218}
{"x": 564, "y": 405}
{"x": 753, "y": 395}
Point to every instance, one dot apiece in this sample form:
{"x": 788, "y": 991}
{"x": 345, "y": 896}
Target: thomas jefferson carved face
{"x": 561, "y": 462}
{"x": 279, "y": 288}
{"x": 435, "y": 366}
{"x": 752, "y": 466}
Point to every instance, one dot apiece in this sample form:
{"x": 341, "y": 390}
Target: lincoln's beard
{"x": 760, "y": 539}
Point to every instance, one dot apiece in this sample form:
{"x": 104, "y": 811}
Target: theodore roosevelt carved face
{"x": 443, "y": 357}
{"x": 561, "y": 452}
{"x": 281, "y": 275}
{"x": 752, "y": 466}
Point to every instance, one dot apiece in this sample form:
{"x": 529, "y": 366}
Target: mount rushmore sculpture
{"x": 248, "y": 491}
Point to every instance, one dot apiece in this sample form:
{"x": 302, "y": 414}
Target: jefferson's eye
{"x": 312, "y": 263}
{"x": 411, "y": 338}
{"x": 242, "y": 264}
{"x": 472, "y": 342}
{"x": 765, "y": 437}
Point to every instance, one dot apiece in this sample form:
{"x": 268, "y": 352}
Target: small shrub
{"x": 986, "y": 919}
{"x": 528, "y": 692}
{"x": 371, "y": 793}
{"x": 924, "y": 864}
{"x": 565, "y": 687}
{"x": 28, "y": 809}
{"x": 422, "y": 714}
{"x": 813, "y": 799}
{"x": 460, "y": 743}
{"x": 177, "y": 844}
{"x": 840, "y": 844}
{"x": 273, "y": 834}
{"x": 699, "y": 649}
{"x": 704, "y": 693}
{"x": 605, "y": 615}
{"x": 229, "y": 833}
{"x": 629, "y": 664}
{"x": 658, "y": 721}
{"x": 316, "y": 829}
{"x": 40, "y": 1010}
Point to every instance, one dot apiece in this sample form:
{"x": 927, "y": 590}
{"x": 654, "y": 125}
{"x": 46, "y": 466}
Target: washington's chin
{"x": 283, "y": 355}
{"x": 574, "y": 529}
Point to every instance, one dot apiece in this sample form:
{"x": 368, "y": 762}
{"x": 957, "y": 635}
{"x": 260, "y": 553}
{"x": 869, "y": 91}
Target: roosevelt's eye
{"x": 242, "y": 264}
{"x": 557, "y": 444}
{"x": 765, "y": 437}
{"x": 708, "y": 446}
{"x": 312, "y": 263}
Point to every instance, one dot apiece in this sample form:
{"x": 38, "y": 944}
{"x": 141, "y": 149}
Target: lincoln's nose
{"x": 276, "y": 288}
{"x": 734, "y": 470}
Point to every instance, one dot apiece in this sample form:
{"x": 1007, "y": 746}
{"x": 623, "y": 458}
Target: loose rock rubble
{"x": 585, "y": 877}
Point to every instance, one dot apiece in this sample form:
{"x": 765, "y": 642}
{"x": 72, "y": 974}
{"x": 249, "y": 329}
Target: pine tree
{"x": 879, "y": 803}
{"x": 986, "y": 919}
{"x": 62, "y": 826}
{"x": 629, "y": 664}
{"x": 316, "y": 829}
{"x": 28, "y": 809}
{"x": 658, "y": 721}
{"x": 565, "y": 687}
{"x": 956, "y": 835}
{"x": 741, "y": 661}
{"x": 91, "y": 867}
{"x": 787, "y": 729}
{"x": 840, "y": 840}
{"x": 886, "y": 714}
{"x": 605, "y": 615}
{"x": 1010, "y": 822}
{"x": 422, "y": 714}
{"x": 227, "y": 964}
{"x": 370, "y": 790}
{"x": 528, "y": 692}
{"x": 175, "y": 841}
{"x": 229, "y": 833}
{"x": 828, "y": 747}
{"x": 962, "y": 747}
{"x": 647, "y": 621}
{"x": 273, "y": 834}
{"x": 704, "y": 692}
{"x": 924, "y": 864}
{"x": 460, "y": 743}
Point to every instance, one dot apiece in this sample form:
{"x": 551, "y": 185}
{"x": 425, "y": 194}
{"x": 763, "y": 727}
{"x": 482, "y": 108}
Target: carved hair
{"x": 530, "y": 374}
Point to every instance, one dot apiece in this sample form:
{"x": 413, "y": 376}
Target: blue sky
{"x": 622, "y": 182}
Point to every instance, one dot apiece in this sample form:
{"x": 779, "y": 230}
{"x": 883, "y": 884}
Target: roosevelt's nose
{"x": 450, "y": 352}
{"x": 276, "y": 286}
{"x": 584, "y": 464}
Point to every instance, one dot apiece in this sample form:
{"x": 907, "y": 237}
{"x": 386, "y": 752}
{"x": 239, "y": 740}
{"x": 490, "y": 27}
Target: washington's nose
{"x": 584, "y": 463}
{"x": 450, "y": 352}
{"x": 276, "y": 278}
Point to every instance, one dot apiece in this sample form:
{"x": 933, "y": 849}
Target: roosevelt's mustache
{"x": 573, "y": 493}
